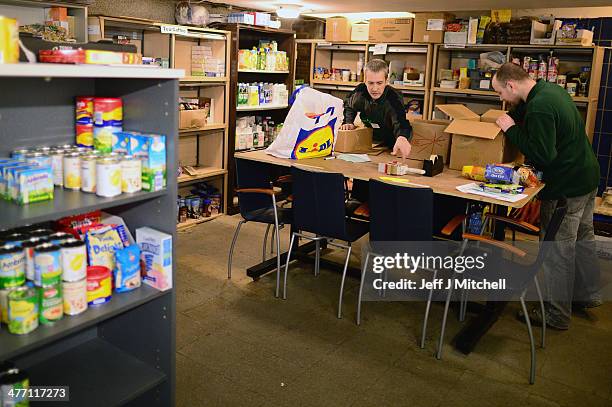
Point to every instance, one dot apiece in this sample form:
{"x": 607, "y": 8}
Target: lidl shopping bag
{"x": 310, "y": 127}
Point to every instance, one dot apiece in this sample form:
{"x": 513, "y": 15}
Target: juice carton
{"x": 151, "y": 149}
{"x": 8, "y": 174}
{"x": 156, "y": 252}
{"x": 33, "y": 185}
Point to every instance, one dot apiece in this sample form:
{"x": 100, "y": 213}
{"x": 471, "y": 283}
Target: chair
{"x": 319, "y": 208}
{"x": 257, "y": 201}
{"x": 519, "y": 283}
{"x": 399, "y": 213}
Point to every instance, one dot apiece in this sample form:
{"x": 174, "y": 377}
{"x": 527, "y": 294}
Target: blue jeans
{"x": 572, "y": 272}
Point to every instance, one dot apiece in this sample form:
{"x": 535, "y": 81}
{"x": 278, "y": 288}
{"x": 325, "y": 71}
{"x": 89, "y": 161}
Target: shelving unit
{"x": 246, "y": 37}
{"x": 200, "y": 147}
{"x": 122, "y": 351}
{"x": 261, "y": 71}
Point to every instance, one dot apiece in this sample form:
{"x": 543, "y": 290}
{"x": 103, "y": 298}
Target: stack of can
{"x": 107, "y": 119}
{"x": 42, "y": 277}
{"x": 84, "y": 121}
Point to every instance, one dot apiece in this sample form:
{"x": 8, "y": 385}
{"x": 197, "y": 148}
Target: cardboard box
{"x": 354, "y": 141}
{"x": 189, "y": 119}
{"x": 430, "y": 137}
{"x": 384, "y": 30}
{"x": 429, "y": 27}
{"x": 156, "y": 253}
{"x": 94, "y": 29}
{"x": 544, "y": 34}
{"x": 583, "y": 38}
{"x": 337, "y": 29}
{"x": 360, "y": 32}
{"x": 477, "y": 140}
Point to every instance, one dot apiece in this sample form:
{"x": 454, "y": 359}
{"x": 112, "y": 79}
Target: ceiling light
{"x": 288, "y": 10}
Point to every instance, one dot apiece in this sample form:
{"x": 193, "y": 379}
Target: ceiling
{"x": 339, "y": 6}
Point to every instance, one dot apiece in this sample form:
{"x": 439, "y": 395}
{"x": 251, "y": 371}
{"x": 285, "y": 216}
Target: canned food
{"x": 47, "y": 264}
{"x": 82, "y": 150}
{"x": 74, "y": 260}
{"x": 64, "y": 147}
{"x": 99, "y": 285}
{"x": 12, "y": 266}
{"x": 20, "y": 154}
{"x": 108, "y": 111}
{"x": 4, "y": 305}
{"x": 58, "y": 238}
{"x": 88, "y": 173}
{"x": 84, "y": 135}
{"x": 15, "y": 239}
{"x": 40, "y": 233}
{"x": 15, "y": 382}
{"x": 72, "y": 171}
{"x": 131, "y": 174}
{"x": 108, "y": 177}
{"x": 75, "y": 296}
{"x": 51, "y": 303}
{"x": 40, "y": 159}
{"x": 28, "y": 252}
{"x": 57, "y": 165}
{"x": 84, "y": 109}
{"x": 43, "y": 149}
{"x": 22, "y": 310}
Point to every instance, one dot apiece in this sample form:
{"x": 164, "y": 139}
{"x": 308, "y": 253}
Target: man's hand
{"x": 505, "y": 122}
{"x": 347, "y": 126}
{"x": 403, "y": 146}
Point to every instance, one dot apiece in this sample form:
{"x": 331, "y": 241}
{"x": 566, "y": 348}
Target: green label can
{"x": 12, "y": 266}
{"x": 14, "y": 385}
{"x": 51, "y": 303}
{"x": 22, "y": 310}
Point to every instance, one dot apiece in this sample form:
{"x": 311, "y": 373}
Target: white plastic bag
{"x": 311, "y": 126}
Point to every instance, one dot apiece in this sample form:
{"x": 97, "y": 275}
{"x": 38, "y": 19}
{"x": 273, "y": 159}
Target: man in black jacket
{"x": 381, "y": 107}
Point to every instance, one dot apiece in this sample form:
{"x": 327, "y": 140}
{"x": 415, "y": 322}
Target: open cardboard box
{"x": 354, "y": 141}
{"x": 477, "y": 140}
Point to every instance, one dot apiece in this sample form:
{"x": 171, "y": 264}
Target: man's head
{"x": 512, "y": 83}
{"x": 376, "y": 72}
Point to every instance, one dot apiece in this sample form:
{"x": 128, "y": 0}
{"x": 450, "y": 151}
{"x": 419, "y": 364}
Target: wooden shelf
{"x": 202, "y": 173}
{"x": 193, "y": 222}
{"x": 406, "y": 87}
{"x": 203, "y": 79}
{"x": 40, "y": 70}
{"x": 208, "y": 127}
{"x": 582, "y": 99}
{"x": 338, "y": 83}
{"x": 466, "y": 91}
{"x": 260, "y": 71}
{"x": 260, "y": 107}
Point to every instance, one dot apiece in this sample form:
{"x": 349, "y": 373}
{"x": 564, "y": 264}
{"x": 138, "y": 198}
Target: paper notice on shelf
{"x": 473, "y": 188}
{"x": 174, "y": 29}
{"x": 435, "y": 24}
{"x": 380, "y": 49}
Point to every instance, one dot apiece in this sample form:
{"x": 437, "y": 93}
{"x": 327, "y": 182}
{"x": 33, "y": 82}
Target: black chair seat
{"x": 355, "y": 230}
{"x": 266, "y": 215}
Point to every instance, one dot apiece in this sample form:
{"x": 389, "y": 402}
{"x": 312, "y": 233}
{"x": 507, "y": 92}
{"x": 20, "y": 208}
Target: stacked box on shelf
{"x": 204, "y": 64}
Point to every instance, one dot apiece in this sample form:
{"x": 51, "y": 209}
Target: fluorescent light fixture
{"x": 288, "y": 10}
{"x": 365, "y": 16}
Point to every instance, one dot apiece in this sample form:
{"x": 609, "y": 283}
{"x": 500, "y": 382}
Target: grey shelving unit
{"x": 123, "y": 352}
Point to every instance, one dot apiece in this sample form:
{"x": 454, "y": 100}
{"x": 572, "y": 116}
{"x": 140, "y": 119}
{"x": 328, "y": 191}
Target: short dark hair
{"x": 510, "y": 71}
{"x": 377, "y": 65}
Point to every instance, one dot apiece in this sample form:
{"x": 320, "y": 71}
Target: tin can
{"x": 553, "y": 69}
{"x": 82, "y": 150}
{"x": 57, "y": 166}
{"x": 526, "y": 63}
{"x": 51, "y": 303}
{"x": 88, "y": 173}
{"x": 12, "y": 266}
{"x": 99, "y": 285}
{"x": 15, "y": 239}
{"x": 84, "y": 135}
{"x": 74, "y": 260}
{"x": 20, "y": 154}
{"x": 16, "y": 382}
{"x": 542, "y": 69}
{"x": 131, "y": 174}
{"x": 108, "y": 111}
{"x": 72, "y": 171}
{"x": 58, "y": 238}
{"x": 47, "y": 264}
{"x": 108, "y": 177}
{"x": 4, "y": 305}
{"x": 42, "y": 232}
{"x": 64, "y": 147}
{"x": 40, "y": 159}
{"x": 9, "y": 40}
{"x": 571, "y": 88}
{"x": 84, "y": 109}
{"x": 28, "y": 252}
{"x": 561, "y": 80}
{"x": 75, "y": 296}
{"x": 22, "y": 310}
{"x": 45, "y": 150}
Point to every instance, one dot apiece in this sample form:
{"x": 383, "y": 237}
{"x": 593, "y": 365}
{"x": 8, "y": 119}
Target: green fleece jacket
{"x": 550, "y": 132}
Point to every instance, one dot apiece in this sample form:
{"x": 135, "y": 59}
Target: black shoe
{"x": 535, "y": 316}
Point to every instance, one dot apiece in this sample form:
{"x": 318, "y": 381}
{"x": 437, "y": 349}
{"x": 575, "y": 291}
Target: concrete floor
{"x": 237, "y": 345}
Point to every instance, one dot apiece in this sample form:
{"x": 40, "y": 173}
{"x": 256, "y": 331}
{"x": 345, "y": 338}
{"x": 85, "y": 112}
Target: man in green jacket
{"x": 546, "y": 126}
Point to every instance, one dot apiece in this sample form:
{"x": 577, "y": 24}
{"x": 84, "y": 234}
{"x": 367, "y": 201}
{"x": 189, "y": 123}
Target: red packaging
{"x": 62, "y": 56}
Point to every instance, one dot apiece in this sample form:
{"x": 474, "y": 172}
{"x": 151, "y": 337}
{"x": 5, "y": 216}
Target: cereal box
{"x": 156, "y": 252}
